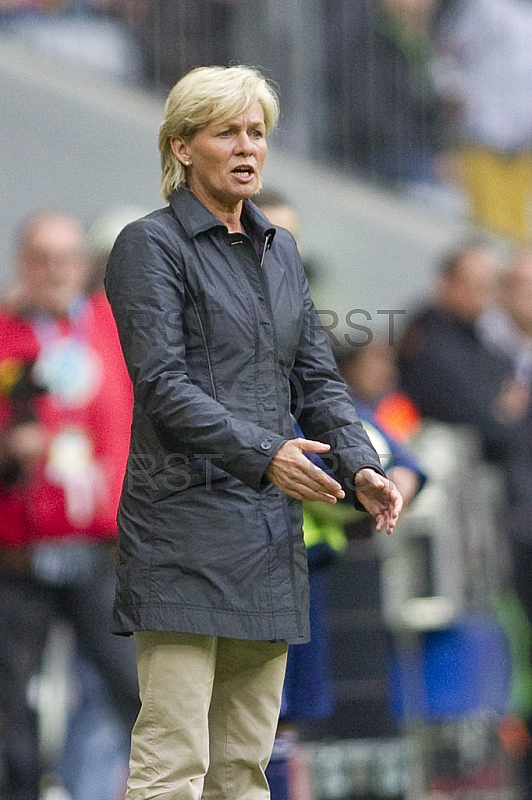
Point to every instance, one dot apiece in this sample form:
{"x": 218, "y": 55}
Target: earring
{"x": 188, "y": 163}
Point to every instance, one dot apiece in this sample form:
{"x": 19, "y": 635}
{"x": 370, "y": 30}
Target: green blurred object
{"x": 324, "y": 522}
{"x": 518, "y": 630}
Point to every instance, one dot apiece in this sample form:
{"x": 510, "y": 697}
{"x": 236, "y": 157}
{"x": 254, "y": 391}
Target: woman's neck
{"x": 232, "y": 222}
{"x": 227, "y": 213}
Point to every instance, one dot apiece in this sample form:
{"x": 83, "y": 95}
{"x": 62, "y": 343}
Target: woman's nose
{"x": 244, "y": 144}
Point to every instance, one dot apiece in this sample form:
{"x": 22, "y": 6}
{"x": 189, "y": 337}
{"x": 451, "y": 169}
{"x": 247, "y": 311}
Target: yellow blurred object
{"x": 499, "y": 186}
{"x": 10, "y": 373}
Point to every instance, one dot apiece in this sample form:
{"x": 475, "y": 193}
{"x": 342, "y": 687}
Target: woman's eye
{"x": 257, "y": 134}
{"x": 224, "y": 134}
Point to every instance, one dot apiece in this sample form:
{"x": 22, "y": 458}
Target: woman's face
{"x": 226, "y": 159}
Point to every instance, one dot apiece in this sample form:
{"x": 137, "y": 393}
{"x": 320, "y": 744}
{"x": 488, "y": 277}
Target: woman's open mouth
{"x": 244, "y": 173}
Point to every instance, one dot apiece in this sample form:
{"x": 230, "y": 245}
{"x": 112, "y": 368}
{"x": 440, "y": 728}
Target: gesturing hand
{"x": 379, "y": 497}
{"x": 293, "y": 473}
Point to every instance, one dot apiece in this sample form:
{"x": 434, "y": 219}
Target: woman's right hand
{"x": 295, "y": 474}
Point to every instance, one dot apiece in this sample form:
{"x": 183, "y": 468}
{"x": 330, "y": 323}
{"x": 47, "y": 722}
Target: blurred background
{"x": 83, "y": 86}
{"x": 404, "y": 150}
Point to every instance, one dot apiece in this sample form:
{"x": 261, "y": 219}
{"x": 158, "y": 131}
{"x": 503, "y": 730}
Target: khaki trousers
{"x": 209, "y": 711}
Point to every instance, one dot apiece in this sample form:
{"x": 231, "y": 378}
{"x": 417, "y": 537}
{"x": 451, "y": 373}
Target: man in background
{"x": 65, "y": 409}
{"x": 445, "y": 366}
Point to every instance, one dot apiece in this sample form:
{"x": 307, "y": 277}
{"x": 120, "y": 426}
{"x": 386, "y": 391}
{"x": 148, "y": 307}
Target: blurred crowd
{"x": 65, "y": 412}
{"x": 429, "y": 96}
{"x": 414, "y": 95}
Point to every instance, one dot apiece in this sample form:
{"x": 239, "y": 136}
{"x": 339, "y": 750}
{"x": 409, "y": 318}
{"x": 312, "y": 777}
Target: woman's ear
{"x": 180, "y": 151}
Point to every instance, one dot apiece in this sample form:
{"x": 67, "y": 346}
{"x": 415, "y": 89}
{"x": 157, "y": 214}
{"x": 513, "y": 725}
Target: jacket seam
{"x": 210, "y": 609}
{"x": 275, "y": 342}
{"x": 291, "y": 562}
{"x": 204, "y": 340}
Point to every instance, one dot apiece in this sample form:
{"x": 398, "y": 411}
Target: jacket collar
{"x": 195, "y": 218}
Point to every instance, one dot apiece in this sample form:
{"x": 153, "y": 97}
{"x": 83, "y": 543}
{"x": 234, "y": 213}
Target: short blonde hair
{"x": 203, "y": 95}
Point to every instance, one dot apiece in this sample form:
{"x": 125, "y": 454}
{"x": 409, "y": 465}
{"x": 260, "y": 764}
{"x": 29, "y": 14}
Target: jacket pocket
{"x": 173, "y": 479}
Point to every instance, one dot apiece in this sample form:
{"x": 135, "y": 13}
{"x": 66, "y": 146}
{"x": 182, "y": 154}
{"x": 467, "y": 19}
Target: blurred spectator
{"x": 278, "y": 209}
{"x": 370, "y": 370}
{"x": 97, "y": 34}
{"x": 177, "y": 36}
{"x": 486, "y": 76}
{"x": 384, "y": 112}
{"x": 454, "y": 375}
{"x": 445, "y": 367}
{"x": 65, "y": 409}
{"x": 371, "y": 373}
{"x": 507, "y": 328}
{"x": 101, "y": 238}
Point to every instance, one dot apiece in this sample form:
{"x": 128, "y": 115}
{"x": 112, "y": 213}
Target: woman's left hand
{"x": 379, "y": 497}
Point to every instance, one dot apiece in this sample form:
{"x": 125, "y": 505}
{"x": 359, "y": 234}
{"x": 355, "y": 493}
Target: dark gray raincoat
{"x": 222, "y": 343}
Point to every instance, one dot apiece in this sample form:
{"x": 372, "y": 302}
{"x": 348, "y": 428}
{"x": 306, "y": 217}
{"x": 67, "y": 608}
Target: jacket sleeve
{"x": 321, "y": 403}
{"x": 146, "y": 292}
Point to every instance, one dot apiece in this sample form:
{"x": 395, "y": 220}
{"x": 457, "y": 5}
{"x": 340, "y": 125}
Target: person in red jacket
{"x": 65, "y": 414}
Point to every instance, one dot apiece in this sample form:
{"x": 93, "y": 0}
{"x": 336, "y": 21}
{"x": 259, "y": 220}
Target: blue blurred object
{"x": 95, "y": 759}
{"x": 307, "y": 693}
{"x": 447, "y": 674}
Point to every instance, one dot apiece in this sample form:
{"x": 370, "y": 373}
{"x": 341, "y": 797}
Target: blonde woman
{"x": 222, "y": 343}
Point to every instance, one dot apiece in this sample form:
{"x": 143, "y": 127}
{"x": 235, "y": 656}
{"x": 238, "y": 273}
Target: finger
{"x": 396, "y": 504}
{"x": 389, "y": 515}
{"x": 390, "y": 524}
{"x": 300, "y": 473}
{"x": 310, "y": 446}
{"x": 301, "y": 490}
{"x": 384, "y": 521}
{"x": 370, "y": 479}
{"x": 303, "y": 486}
{"x": 320, "y": 481}
{"x": 307, "y": 467}
{"x": 315, "y": 479}
{"x": 391, "y": 521}
{"x": 317, "y": 487}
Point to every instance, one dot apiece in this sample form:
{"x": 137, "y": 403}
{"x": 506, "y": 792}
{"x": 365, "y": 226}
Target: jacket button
{"x": 266, "y": 444}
